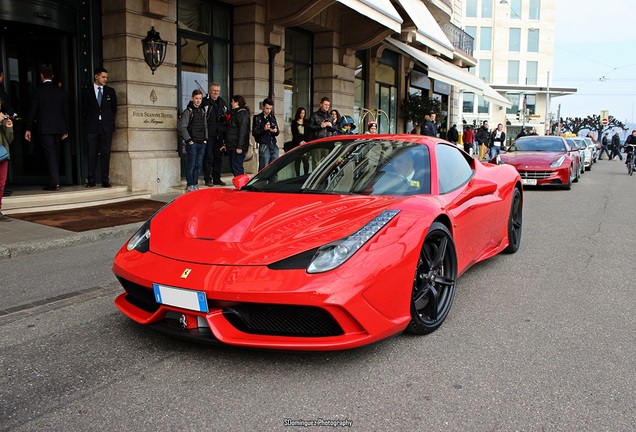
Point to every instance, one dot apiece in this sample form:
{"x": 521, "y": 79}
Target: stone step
{"x": 30, "y": 201}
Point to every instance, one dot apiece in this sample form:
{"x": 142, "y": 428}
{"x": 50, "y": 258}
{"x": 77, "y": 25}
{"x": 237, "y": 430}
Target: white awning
{"x": 449, "y": 73}
{"x": 381, "y": 11}
{"x": 437, "y": 68}
{"x": 428, "y": 32}
{"x": 492, "y": 95}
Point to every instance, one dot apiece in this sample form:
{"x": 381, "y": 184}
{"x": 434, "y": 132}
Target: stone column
{"x": 333, "y": 72}
{"x": 252, "y": 38}
{"x": 144, "y": 155}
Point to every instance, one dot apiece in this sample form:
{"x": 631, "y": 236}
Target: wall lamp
{"x": 154, "y": 49}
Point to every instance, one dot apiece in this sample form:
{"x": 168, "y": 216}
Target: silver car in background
{"x": 594, "y": 147}
{"x": 586, "y": 153}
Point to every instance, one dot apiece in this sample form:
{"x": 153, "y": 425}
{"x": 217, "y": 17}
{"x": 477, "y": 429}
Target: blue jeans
{"x": 494, "y": 151}
{"x": 236, "y": 162}
{"x": 604, "y": 149}
{"x": 616, "y": 151}
{"x": 266, "y": 154}
{"x": 195, "y": 154}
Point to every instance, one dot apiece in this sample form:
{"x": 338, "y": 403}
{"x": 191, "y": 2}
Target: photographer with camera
{"x": 216, "y": 117}
{"x": 265, "y": 130}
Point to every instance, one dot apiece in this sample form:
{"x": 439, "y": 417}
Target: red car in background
{"x": 544, "y": 160}
{"x": 337, "y": 243}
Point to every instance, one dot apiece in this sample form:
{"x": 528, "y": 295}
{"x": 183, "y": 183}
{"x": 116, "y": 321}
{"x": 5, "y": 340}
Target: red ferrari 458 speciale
{"x": 338, "y": 243}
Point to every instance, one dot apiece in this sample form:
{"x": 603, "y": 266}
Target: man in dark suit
{"x": 100, "y": 104}
{"x": 50, "y": 109}
{"x": 217, "y": 127}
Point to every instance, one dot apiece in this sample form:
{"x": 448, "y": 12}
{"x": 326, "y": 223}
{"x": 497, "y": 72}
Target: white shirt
{"x": 96, "y": 89}
{"x": 497, "y": 137}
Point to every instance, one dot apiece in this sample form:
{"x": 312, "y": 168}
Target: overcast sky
{"x": 595, "y": 39}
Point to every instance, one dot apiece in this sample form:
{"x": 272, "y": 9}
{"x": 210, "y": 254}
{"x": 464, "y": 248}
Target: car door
{"x": 471, "y": 206}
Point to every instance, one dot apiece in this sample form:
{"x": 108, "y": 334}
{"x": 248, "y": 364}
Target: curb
{"x": 73, "y": 239}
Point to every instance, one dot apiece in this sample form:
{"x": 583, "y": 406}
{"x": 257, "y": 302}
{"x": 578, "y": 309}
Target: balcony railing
{"x": 459, "y": 38}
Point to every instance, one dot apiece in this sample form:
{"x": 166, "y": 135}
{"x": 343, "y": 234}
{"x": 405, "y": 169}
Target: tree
{"x": 590, "y": 123}
{"x": 574, "y": 125}
{"x": 416, "y": 106}
{"x": 594, "y": 125}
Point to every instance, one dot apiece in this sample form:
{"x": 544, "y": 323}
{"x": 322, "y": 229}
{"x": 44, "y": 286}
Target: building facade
{"x": 514, "y": 48}
{"x": 366, "y": 56}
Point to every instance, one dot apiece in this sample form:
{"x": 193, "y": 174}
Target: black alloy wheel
{"x": 515, "y": 223}
{"x": 434, "y": 281}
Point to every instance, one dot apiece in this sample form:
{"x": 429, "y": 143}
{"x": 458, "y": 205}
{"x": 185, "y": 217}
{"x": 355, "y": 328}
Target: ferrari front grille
{"x": 139, "y": 295}
{"x": 282, "y": 320}
{"x": 539, "y": 175}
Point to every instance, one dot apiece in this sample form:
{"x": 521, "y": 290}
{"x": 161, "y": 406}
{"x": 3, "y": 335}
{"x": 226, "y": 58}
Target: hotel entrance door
{"x": 23, "y": 49}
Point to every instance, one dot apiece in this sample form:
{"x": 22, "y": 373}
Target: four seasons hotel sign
{"x": 148, "y": 117}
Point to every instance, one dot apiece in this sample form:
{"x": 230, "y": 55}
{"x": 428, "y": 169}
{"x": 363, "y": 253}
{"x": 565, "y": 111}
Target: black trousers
{"x": 51, "y": 146}
{"x": 99, "y": 148}
{"x": 213, "y": 160}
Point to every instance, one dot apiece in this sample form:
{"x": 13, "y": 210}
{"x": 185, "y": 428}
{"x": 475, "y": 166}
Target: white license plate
{"x": 529, "y": 182}
{"x": 181, "y": 298}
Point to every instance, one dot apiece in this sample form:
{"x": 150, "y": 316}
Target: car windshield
{"x": 576, "y": 143}
{"x": 349, "y": 166}
{"x": 548, "y": 144}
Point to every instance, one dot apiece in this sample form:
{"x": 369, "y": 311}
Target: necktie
{"x": 99, "y": 96}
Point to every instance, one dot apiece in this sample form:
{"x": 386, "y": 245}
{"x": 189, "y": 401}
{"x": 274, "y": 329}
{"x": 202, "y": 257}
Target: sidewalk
{"x": 18, "y": 237}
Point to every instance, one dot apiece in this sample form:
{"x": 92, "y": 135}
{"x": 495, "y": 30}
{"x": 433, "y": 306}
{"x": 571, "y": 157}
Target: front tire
{"x": 434, "y": 281}
{"x": 515, "y": 223}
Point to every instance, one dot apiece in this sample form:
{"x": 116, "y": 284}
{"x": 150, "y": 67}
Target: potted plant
{"x": 416, "y": 106}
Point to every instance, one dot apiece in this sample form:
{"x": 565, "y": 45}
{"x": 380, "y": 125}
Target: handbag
{"x": 4, "y": 154}
{"x": 249, "y": 154}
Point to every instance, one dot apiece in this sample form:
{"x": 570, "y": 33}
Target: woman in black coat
{"x": 237, "y": 139}
{"x": 300, "y": 135}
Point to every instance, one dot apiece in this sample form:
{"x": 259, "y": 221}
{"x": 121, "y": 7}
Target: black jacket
{"x": 258, "y": 129}
{"x": 483, "y": 136}
{"x": 316, "y": 131}
{"x": 453, "y": 135}
{"x": 92, "y": 110}
{"x": 185, "y": 128}
{"x": 430, "y": 129}
{"x": 502, "y": 138}
{"x": 216, "y": 117}
{"x": 298, "y": 137}
{"x": 238, "y": 131}
{"x": 50, "y": 109}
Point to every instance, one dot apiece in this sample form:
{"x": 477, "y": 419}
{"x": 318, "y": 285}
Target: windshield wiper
{"x": 320, "y": 192}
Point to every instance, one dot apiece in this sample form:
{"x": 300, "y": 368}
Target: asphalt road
{"x": 544, "y": 339}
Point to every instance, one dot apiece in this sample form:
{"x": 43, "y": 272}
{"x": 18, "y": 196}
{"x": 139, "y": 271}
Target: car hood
{"x": 531, "y": 159}
{"x": 226, "y": 226}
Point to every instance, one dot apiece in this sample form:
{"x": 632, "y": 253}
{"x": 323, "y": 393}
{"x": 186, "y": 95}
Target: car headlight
{"x": 140, "y": 241}
{"x": 330, "y": 256}
{"x": 557, "y": 163}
